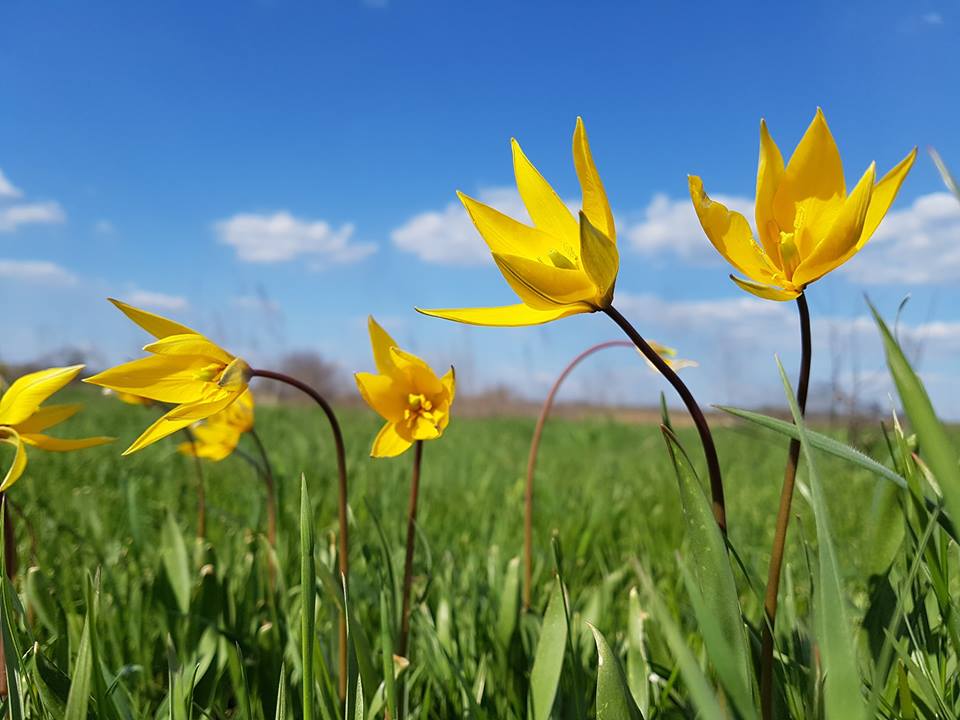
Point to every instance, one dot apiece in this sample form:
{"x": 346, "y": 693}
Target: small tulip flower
{"x": 218, "y": 436}
{"x": 807, "y": 223}
{"x": 406, "y": 393}
{"x": 184, "y": 369}
{"x": 23, "y": 418}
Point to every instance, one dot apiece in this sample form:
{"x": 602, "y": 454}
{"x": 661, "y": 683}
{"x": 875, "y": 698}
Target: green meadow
{"x": 119, "y": 610}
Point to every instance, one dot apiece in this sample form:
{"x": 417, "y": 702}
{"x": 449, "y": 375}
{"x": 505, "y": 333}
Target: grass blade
{"x": 843, "y": 698}
{"x": 281, "y": 713}
{"x": 308, "y": 597}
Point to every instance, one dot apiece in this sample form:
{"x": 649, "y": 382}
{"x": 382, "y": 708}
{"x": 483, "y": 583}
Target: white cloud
{"x": 448, "y": 236}
{"x": 917, "y": 245}
{"x": 281, "y": 236}
{"x": 12, "y": 216}
{"x": 7, "y": 188}
{"x": 40, "y": 271}
{"x": 671, "y": 226}
{"x": 156, "y": 300}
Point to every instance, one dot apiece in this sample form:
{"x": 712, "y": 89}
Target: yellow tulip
{"x": 184, "y": 369}
{"x": 669, "y": 356}
{"x": 218, "y": 436}
{"x": 807, "y": 223}
{"x": 406, "y": 393}
{"x": 558, "y": 267}
{"x": 23, "y": 420}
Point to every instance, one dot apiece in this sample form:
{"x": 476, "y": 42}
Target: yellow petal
{"x": 595, "y": 203}
{"x": 52, "y": 444}
{"x": 543, "y": 286}
{"x": 382, "y": 393}
{"x": 505, "y": 235}
{"x": 814, "y": 174}
{"x": 883, "y": 196}
{"x": 449, "y": 382}
{"x": 156, "y": 325}
{"x": 210, "y": 444}
{"x": 180, "y": 417}
{"x": 546, "y": 209}
{"x": 841, "y": 241}
{"x": 419, "y": 375}
{"x": 47, "y": 417}
{"x": 730, "y": 234}
{"x": 769, "y": 174}
{"x": 26, "y": 394}
{"x": 10, "y": 437}
{"x": 381, "y": 342}
{"x": 163, "y": 378}
{"x": 764, "y": 291}
{"x": 190, "y": 345}
{"x": 508, "y": 315}
{"x": 389, "y": 443}
{"x": 600, "y": 259}
{"x": 424, "y": 429}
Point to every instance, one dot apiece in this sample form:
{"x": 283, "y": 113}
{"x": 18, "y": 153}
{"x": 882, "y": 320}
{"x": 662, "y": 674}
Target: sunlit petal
{"x": 26, "y": 394}
{"x": 595, "y": 204}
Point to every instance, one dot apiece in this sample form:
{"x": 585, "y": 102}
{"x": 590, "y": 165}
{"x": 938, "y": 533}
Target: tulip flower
{"x": 218, "y": 436}
{"x": 23, "y": 419}
{"x": 406, "y": 393}
{"x": 561, "y": 266}
{"x": 807, "y": 223}
{"x": 416, "y": 405}
{"x": 184, "y": 369}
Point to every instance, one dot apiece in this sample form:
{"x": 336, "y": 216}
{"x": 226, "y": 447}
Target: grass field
{"x": 193, "y": 629}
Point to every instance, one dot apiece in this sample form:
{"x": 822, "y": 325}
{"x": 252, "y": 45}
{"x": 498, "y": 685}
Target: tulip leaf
{"x": 614, "y": 701}
{"x": 948, "y": 179}
{"x": 548, "y": 662}
{"x": 11, "y": 656}
{"x": 79, "y": 698}
{"x": 720, "y": 618}
{"x": 935, "y": 446}
{"x": 843, "y": 699}
{"x": 844, "y": 452}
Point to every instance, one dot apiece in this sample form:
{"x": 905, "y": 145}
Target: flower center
{"x": 559, "y": 260}
{"x": 209, "y": 372}
{"x": 418, "y": 405}
{"x": 789, "y": 253}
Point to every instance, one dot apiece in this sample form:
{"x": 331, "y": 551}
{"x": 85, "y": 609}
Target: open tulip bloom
{"x": 184, "y": 369}
{"x": 406, "y": 393}
{"x": 24, "y": 419}
{"x": 564, "y": 265}
{"x": 808, "y": 225}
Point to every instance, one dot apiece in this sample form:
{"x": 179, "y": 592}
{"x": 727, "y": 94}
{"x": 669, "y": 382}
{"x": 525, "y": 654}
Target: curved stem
{"x": 532, "y": 461}
{"x": 266, "y": 471}
{"x": 783, "y": 520}
{"x": 411, "y": 539}
{"x": 342, "y": 501}
{"x": 201, "y": 490}
{"x": 706, "y": 438}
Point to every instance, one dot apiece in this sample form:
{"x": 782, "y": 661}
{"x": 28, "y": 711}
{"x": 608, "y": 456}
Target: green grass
{"x": 606, "y": 491}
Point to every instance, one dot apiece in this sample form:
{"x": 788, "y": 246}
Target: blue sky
{"x": 272, "y": 172}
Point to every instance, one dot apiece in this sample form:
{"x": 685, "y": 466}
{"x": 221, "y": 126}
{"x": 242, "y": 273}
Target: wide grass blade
{"x": 638, "y": 666}
{"x": 176, "y": 562}
{"x": 12, "y": 656}
{"x": 509, "y": 603}
{"x": 548, "y": 662}
{"x": 843, "y": 697}
{"x": 936, "y": 447}
{"x": 614, "y": 701}
{"x": 386, "y": 645}
{"x": 720, "y": 617}
{"x": 78, "y": 701}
